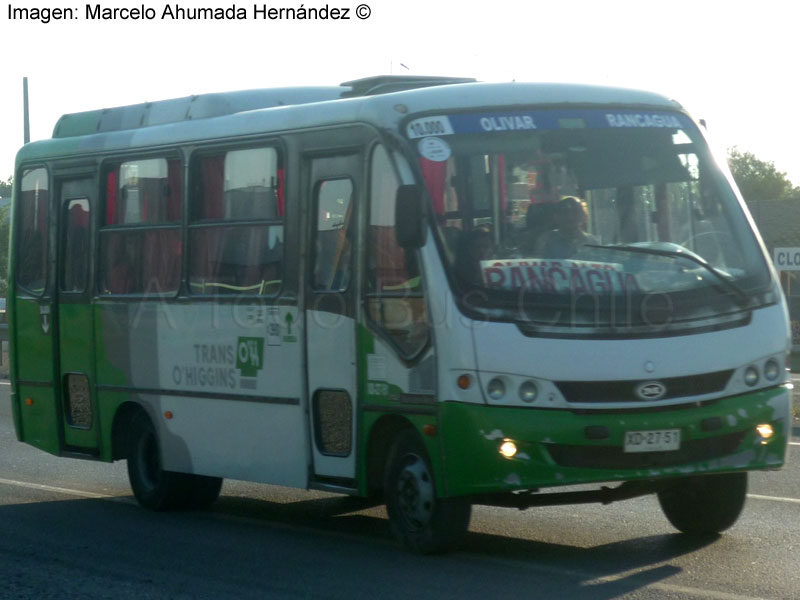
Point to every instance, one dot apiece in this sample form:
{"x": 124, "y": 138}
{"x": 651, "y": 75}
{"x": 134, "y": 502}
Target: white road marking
{"x": 51, "y": 488}
{"x": 774, "y": 498}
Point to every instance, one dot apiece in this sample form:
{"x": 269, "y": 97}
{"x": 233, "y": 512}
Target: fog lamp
{"x": 765, "y": 431}
{"x": 508, "y": 448}
{"x": 751, "y": 376}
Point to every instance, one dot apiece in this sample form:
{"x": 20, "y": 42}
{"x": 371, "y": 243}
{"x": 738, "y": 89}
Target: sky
{"x": 731, "y": 63}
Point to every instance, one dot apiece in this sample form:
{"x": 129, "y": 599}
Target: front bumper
{"x": 561, "y": 447}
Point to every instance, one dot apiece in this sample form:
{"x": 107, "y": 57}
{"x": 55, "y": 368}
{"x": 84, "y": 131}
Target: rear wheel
{"x": 419, "y": 519}
{"x": 203, "y": 490}
{"x": 706, "y": 504}
{"x": 155, "y": 488}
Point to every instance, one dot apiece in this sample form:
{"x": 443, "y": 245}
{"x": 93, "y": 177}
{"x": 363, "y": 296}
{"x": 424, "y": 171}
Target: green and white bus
{"x": 433, "y": 291}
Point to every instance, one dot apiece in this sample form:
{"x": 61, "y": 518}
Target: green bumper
{"x": 558, "y": 447}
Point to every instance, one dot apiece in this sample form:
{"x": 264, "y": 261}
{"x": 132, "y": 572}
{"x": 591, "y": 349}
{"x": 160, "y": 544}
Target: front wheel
{"x": 706, "y": 504}
{"x": 419, "y": 519}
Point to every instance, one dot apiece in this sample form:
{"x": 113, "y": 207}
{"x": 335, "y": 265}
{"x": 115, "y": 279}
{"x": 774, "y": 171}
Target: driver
{"x": 570, "y": 233}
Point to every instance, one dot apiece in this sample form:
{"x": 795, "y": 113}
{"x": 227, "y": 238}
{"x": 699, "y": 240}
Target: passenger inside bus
{"x": 539, "y": 221}
{"x": 570, "y": 233}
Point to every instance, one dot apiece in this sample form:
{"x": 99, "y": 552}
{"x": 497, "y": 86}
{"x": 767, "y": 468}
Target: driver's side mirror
{"x": 409, "y": 217}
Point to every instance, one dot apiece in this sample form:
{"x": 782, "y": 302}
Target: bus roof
{"x": 382, "y": 101}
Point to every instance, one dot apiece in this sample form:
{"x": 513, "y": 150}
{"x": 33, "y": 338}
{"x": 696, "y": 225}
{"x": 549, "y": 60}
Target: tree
{"x": 4, "y": 229}
{"x": 759, "y": 180}
{"x": 5, "y": 188}
{"x": 5, "y": 192}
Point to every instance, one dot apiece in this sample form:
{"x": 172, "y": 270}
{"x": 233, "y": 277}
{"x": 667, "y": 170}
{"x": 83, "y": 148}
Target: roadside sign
{"x": 787, "y": 259}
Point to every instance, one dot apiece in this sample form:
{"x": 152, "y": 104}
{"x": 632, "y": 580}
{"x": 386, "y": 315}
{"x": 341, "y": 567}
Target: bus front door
{"x": 75, "y": 323}
{"x": 330, "y": 325}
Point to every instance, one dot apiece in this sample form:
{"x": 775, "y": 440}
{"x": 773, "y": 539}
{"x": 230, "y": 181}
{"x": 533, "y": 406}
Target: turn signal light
{"x": 464, "y": 381}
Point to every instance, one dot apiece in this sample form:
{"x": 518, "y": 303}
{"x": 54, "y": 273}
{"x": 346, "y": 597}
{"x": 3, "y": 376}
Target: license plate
{"x": 660, "y": 440}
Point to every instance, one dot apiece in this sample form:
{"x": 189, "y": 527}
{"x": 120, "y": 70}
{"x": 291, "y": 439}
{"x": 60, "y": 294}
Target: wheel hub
{"x": 415, "y": 493}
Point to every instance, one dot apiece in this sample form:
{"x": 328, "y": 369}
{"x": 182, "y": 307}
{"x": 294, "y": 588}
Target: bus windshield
{"x": 591, "y": 218}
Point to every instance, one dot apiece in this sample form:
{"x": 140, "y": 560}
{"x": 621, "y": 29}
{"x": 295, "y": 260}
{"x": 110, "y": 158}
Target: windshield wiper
{"x": 739, "y": 296}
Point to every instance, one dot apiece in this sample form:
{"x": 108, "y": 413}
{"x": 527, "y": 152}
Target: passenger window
{"x": 144, "y": 191}
{"x": 75, "y": 246}
{"x": 34, "y": 203}
{"x": 333, "y": 244}
{"x": 395, "y": 301}
{"x": 140, "y": 242}
{"x": 236, "y": 229}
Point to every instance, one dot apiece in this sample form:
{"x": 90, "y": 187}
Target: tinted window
{"x": 33, "y": 205}
{"x": 236, "y": 232}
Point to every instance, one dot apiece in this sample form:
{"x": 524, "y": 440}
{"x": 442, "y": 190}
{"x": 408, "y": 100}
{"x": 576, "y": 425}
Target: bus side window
{"x": 332, "y": 268}
{"x": 140, "y": 241}
{"x": 395, "y": 301}
{"x": 75, "y": 266}
{"x": 236, "y": 226}
{"x": 33, "y": 204}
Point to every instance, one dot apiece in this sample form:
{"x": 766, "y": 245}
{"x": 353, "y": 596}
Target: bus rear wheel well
{"x": 120, "y": 430}
{"x": 381, "y": 438}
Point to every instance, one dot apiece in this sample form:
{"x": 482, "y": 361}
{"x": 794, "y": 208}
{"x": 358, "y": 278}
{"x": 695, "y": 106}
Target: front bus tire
{"x": 155, "y": 488}
{"x": 704, "y": 504}
{"x": 421, "y": 521}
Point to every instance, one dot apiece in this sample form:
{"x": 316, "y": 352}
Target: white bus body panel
{"x": 332, "y": 366}
{"x": 237, "y": 440}
{"x": 244, "y": 362}
{"x": 502, "y": 348}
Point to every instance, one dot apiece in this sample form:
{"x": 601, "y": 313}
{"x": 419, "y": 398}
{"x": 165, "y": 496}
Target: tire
{"x": 203, "y": 490}
{"x": 421, "y": 521}
{"x": 154, "y": 488}
{"x": 706, "y": 504}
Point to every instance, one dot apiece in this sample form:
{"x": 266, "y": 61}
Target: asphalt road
{"x": 70, "y": 529}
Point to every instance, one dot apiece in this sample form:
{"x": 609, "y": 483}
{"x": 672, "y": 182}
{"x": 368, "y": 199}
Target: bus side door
{"x": 75, "y": 322}
{"x": 37, "y": 414}
{"x": 335, "y": 188}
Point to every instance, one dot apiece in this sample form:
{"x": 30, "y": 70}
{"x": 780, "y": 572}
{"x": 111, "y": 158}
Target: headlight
{"x": 751, "y": 376}
{"x": 496, "y": 389}
{"x": 528, "y": 391}
{"x": 772, "y": 369}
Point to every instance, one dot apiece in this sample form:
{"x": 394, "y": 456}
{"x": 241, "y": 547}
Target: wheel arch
{"x": 381, "y": 436}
